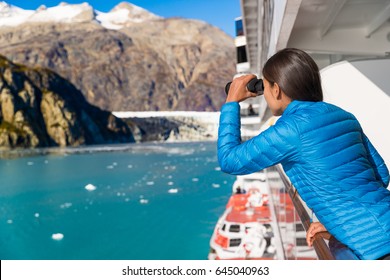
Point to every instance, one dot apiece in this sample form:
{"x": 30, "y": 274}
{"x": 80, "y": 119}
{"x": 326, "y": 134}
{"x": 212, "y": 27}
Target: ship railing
{"x": 294, "y": 219}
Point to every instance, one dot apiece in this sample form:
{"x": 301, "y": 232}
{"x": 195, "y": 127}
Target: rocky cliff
{"x": 171, "y": 129}
{"x": 127, "y": 61}
{"x": 39, "y": 108}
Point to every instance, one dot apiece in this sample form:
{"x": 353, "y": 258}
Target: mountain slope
{"x": 140, "y": 63}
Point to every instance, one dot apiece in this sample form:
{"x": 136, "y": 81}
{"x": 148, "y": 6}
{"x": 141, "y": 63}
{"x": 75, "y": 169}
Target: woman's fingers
{"x": 314, "y": 228}
{"x": 238, "y": 91}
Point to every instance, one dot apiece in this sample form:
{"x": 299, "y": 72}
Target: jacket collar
{"x": 292, "y": 107}
{"x": 296, "y": 105}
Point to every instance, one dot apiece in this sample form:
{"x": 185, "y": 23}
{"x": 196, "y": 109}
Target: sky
{"x": 220, "y": 13}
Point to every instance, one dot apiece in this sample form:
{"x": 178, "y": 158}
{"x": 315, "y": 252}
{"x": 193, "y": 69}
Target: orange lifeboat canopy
{"x": 238, "y": 201}
{"x": 221, "y": 240}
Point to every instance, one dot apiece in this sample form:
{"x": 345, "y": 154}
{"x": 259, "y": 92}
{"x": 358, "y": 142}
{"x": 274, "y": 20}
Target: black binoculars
{"x": 255, "y": 86}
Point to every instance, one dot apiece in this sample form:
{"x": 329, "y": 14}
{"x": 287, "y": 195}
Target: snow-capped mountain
{"x": 121, "y": 15}
{"x": 124, "y": 13}
{"x": 127, "y": 59}
{"x": 11, "y": 15}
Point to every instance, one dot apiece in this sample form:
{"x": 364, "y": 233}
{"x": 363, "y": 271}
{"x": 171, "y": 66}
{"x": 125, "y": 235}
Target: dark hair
{"x": 296, "y": 73}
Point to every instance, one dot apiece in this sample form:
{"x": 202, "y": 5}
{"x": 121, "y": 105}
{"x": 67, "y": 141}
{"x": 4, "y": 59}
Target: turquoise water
{"x": 152, "y": 201}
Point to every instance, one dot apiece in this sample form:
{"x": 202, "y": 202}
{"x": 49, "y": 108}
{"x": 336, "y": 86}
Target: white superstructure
{"x": 348, "y": 39}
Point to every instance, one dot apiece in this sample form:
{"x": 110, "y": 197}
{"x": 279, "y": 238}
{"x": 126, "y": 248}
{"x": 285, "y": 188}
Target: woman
{"x": 322, "y": 149}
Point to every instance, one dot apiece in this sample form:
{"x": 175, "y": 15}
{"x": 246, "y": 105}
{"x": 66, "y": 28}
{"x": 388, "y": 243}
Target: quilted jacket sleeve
{"x": 275, "y": 145}
{"x": 380, "y": 168}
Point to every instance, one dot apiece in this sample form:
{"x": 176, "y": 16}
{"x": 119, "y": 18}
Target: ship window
{"x": 299, "y": 227}
{"x": 241, "y": 55}
{"x": 239, "y": 28}
{"x": 234, "y": 242}
{"x": 301, "y": 241}
{"x": 223, "y": 227}
{"x": 234, "y": 228}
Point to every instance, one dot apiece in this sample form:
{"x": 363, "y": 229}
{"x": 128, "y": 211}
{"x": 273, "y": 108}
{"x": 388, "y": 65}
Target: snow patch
{"x": 61, "y": 13}
{"x": 117, "y": 18}
{"x": 12, "y": 16}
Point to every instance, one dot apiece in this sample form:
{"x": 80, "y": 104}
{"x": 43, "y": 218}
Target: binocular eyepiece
{"x": 255, "y": 86}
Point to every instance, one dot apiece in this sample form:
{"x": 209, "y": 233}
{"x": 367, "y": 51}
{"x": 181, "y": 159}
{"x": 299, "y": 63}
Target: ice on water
{"x": 90, "y": 187}
{"x": 57, "y": 236}
{"x": 173, "y": 190}
{"x": 143, "y": 201}
{"x": 65, "y": 205}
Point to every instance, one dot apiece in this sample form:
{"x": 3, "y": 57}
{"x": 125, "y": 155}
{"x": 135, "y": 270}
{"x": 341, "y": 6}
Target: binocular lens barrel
{"x": 255, "y": 85}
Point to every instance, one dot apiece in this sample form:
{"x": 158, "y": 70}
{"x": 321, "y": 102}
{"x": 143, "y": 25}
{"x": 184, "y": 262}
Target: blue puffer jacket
{"x": 330, "y": 161}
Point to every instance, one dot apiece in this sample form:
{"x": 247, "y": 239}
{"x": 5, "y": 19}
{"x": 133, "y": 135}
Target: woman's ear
{"x": 276, "y": 92}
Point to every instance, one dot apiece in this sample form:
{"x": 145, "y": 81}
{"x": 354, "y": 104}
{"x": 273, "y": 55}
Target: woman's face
{"x": 270, "y": 98}
{"x": 276, "y": 99}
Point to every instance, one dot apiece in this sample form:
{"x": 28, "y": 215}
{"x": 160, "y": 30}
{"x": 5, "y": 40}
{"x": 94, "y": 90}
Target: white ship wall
{"x": 363, "y": 88}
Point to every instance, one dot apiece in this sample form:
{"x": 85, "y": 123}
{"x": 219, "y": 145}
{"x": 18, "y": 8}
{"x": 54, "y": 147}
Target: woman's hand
{"x": 238, "y": 91}
{"x": 316, "y": 228}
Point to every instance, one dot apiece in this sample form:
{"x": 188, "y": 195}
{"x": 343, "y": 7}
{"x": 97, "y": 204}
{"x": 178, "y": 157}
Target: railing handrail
{"x": 322, "y": 250}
